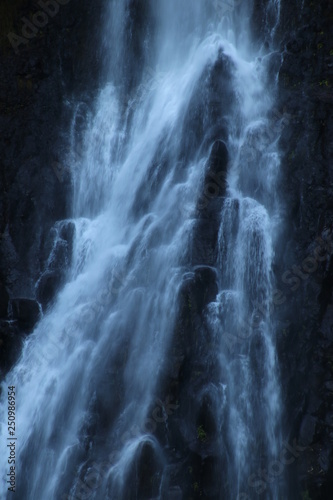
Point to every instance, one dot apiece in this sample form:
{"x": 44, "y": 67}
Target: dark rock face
{"x": 218, "y": 159}
{"x": 36, "y": 74}
{"x": 10, "y": 345}
{"x": 206, "y": 118}
{"x": 4, "y": 298}
{"x": 26, "y": 312}
{"x": 47, "y": 286}
{"x": 58, "y": 262}
{"x": 215, "y": 183}
{"x": 204, "y": 245}
{"x": 192, "y": 431}
{"x": 304, "y": 261}
{"x": 143, "y": 479}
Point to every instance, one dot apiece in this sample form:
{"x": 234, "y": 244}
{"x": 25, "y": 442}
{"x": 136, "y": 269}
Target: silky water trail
{"x": 89, "y": 373}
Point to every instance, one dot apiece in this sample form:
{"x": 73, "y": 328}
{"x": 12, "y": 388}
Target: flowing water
{"x": 90, "y": 372}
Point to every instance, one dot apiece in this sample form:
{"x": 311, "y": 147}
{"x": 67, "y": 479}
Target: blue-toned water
{"x": 90, "y": 373}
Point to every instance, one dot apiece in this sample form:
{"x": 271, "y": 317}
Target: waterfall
{"x": 182, "y": 90}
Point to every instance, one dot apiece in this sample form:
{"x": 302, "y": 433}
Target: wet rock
{"x": 35, "y": 185}
{"x": 329, "y": 385}
{"x": 215, "y": 184}
{"x": 218, "y": 161}
{"x": 47, "y": 287}
{"x": 138, "y": 26}
{"x": 308, "y": 429}
{"x": 204, "y": 245}
{"x": 60, "y": 247}
{"x": 327, "y": 324}
{"x": 26, "y": 312}
{"x": 144, "y": 476}
{"x": 67, "y": 233}
{"x": 304, "y": 89}
{"x": 295, "y": 45}
{"x": 205, "y": 120}
{"x": 175, "y": 493}
{"x": 273, "y": 61}
{"x": 325, "y": 458}
{"x": 202, "y": 288}
{"x": 4, "y": 298}
{"x": 10, "y": 344}
{"x": 314, "y": 403}
{"x": 211, "y": 477}
{"x": 206, "y": 419}
{"x": 329, "y": 419}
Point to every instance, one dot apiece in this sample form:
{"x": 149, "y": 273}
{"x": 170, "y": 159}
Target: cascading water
{"x": 89, "y": 375}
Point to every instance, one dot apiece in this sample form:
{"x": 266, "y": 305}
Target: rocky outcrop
{"x": 190, "y": 434}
